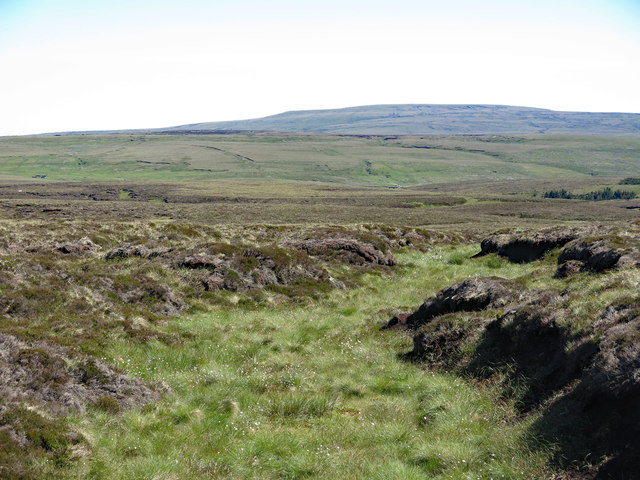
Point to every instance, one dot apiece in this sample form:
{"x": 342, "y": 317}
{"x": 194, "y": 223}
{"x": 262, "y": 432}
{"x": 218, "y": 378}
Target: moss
{"x": 90, "y": 372}
{"x": 302, "y": 288}
{"x": 232, "y": 276}
{"x": 47, "y": 369}
{"x": 249, "y": 263}
{"x": 31, "y": 445}
{"x": 176, "y": 231}
{"x": 284, "y": 258}
{"x": 40, "y": 431}
{"x": 215, "y": 248}
{"x": 611, "y": 239}
{"x": 107, "y": 404}
{"x": 125, "y": 282}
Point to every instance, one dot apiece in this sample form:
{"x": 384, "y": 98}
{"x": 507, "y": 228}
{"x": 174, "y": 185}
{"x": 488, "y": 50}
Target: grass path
{"x": 311, "y": 392}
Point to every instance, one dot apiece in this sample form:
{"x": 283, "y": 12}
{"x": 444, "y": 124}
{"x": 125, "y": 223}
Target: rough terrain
{"x": 67, "y": 292}
{"x": 578, "y": 366}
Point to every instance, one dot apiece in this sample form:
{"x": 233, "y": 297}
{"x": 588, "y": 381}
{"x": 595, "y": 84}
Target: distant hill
{"x": 435, "y": 120}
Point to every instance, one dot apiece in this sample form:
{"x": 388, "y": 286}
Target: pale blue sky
{"x": 82, "y": 65}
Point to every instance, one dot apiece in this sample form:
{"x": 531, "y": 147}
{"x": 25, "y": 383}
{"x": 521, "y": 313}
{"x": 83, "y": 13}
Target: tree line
{"x": 606, "y": 193}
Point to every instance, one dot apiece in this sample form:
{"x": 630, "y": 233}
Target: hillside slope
{"x": 435, "y": 119}
{"x": 391, "y": 161}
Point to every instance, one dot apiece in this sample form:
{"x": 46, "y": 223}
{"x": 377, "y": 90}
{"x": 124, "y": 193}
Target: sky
{"x": 68, "y": 65}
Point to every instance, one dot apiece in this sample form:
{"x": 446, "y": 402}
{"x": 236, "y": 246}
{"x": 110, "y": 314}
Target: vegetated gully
{"x": 325, "y": 377}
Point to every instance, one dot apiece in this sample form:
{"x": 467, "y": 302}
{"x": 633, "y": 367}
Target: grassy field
{"x": 350, "y": 160}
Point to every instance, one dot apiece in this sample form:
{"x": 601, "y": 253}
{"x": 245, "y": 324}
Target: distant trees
{"x": 557, "y": 194}
{"x": 606, "y": 193}
{"x": 630, "y": 181}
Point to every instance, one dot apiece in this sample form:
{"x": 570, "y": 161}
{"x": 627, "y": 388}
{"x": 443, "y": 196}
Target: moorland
{"x": 435, "y": 119}
{"x": 261, "y": 305}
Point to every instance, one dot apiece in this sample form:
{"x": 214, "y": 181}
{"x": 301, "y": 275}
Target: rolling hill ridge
{"x": 417, "y": 119}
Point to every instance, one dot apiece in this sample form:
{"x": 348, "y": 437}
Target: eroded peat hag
{"x": 560, "y": 343}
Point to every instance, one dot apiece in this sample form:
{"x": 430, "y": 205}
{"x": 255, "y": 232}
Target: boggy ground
{"x": 565, "y": 346}
{"x": 285, "y": 389}
{"x": 465, "y": 208}
{"x": 197, "y": 340}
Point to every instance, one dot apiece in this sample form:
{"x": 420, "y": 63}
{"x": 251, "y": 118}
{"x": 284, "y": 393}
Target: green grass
{"x": 316, "y": 392}
{"x": 345, "y": 160}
